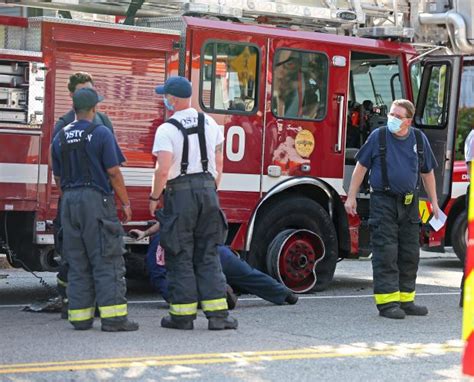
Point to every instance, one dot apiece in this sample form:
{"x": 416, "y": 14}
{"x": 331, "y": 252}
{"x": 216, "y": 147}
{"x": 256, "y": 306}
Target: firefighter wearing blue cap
{"x": 188, "y": 147}
{"x": 86, "y": 165}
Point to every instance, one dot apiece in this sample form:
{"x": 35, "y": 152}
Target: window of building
{"x": 229, "y": 77}
{"x": 299, "y": 84}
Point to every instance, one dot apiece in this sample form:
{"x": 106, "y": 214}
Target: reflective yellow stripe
{"x": 81, "y": 314}
{"x": 407, "y": 296}
{"x": 387, "y": 297}
{"x": 183, "y": 309}
{"x": 212, "y": 305}
{"x": 424, "y": 210}
{"x": 61, "y": 282}
{"x": 112, "y": 311}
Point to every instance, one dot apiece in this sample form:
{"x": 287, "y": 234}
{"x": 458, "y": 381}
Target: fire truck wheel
{"x": 49, "y": 259}
{"x": 292, "y": 258}
{"x": 296, "y": 213}
{"x": 458, "y": 235}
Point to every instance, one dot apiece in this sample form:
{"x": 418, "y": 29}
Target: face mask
{"x": 168, "y": 105}
{"x": 394, "y": 124}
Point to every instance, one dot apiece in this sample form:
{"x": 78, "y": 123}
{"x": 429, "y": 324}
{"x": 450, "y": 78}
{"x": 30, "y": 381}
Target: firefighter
{"x": 77, "y": 81}
{"x": 188, "y": 147}
{"x": 397, "y": 159}
{"x": 86, "y": 165}
{"x": 239, "y": 274}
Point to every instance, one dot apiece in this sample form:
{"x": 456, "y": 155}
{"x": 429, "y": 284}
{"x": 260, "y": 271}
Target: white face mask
{"x": 168, "y": 105}
{"x": 394, "y": 124}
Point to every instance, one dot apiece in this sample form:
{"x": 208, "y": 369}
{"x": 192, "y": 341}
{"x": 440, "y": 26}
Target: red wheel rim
{"x": 297, "y": 260}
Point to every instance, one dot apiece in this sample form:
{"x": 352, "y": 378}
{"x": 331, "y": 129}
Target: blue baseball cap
{"x": 176, "y": 86}
{"x": 85, "y": 99}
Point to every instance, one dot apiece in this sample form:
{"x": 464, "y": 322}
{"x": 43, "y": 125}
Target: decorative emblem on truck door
{"x": 304, "y": 143}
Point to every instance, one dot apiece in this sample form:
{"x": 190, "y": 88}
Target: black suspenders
{"x": 199, "y": 130}
{"x": 383, "y": 156}
{"x": 80, "y": 148}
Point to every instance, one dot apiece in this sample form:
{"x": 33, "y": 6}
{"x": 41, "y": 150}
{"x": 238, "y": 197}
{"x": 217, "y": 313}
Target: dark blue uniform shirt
{"x": 401, "y": 158}
{"x": 99, "y": 119}
{"x": 102, "y": 150}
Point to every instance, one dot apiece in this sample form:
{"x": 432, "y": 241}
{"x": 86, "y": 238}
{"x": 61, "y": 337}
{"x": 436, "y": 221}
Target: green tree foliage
{"x": 464, "y": 125}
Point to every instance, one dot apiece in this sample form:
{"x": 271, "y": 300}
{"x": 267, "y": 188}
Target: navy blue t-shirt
{"x": 101, "y": 148}
{"x": 401, "y": 158}
{"x": 99, "y": 119}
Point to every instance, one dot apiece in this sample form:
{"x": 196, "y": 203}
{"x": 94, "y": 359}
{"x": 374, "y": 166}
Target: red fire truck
{"x": 295, "y": 103}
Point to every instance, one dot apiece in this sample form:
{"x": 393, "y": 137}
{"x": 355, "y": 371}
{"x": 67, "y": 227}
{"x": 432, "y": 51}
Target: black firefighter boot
{"x": 222, "y": 322}
{"x": 414, "y": 310}
{"x": 83, "y": 325}
{"x": 119, "y": 325}
{"x": 391, "y": 310}
{"x": 175, "y": 322}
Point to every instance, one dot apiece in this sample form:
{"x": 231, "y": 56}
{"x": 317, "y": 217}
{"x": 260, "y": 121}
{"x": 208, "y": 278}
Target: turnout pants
{"x": 93, "y": 247}
{"x": 395, "y": 230}
{"x": 192, "y": 225}
{"x": 61, "y": 277}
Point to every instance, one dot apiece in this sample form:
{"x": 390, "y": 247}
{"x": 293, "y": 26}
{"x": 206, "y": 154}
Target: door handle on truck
{"x": 340, "y": 123}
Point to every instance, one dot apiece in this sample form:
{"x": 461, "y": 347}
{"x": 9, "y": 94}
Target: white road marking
{"x": 301, "y": 297}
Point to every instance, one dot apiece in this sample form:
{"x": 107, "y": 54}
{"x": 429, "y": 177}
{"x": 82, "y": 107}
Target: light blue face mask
{"x": 168, "y": 105}
{"x": 394, "y": 124}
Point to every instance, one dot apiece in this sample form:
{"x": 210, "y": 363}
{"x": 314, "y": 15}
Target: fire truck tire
{"x": 49, "y": 259}
{"x": 296, "y": 213}
{"x": 458, "y": 235}
{"x": 292, "y": 258}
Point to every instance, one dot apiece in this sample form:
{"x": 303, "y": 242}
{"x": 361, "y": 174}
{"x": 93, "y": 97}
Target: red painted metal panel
{"x": 324, "y": 160}
{"x": 271, "y": 32}
{"x": 460, "y": 172}
{"x": 128, "y": 87}
{"x": 127, "y": 83}
{"x": 14, "y": 21}
{"x": 19, "y": 148}
{"x": 123, "y": 39}
{"x": 19, "y": 166}
{"x": 237, "y": 205}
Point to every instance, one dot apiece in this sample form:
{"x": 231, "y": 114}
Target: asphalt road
{"x": 335, "y": 335}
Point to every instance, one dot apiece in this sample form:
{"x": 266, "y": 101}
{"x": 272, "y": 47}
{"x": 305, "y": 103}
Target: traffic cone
{"x": 468, "y": 358}
{"x": 468, "y": 310}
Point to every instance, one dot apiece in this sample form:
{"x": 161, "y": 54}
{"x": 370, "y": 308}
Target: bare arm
{"x": 118, "y": 184}
{"x": 429, "y": 182}
{"x": 356, "y": 181}
{"x": 149, "y": 232}
{"x": 219, "y": 163}
{"x": 160, "y": 177}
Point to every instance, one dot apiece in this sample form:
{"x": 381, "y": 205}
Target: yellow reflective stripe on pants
{"x": 213, "y": 305}
{"x": 183, "y": 309}
{"x": 61, "y": 282}
{"x": 386, "y": 298}
{"x": 407, "y": 296}
{"x": 112, "y": 311}
{"x": 81, "y": 314}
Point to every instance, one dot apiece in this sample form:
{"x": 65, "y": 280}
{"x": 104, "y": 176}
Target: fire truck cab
{"x": 294, "y": 101}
